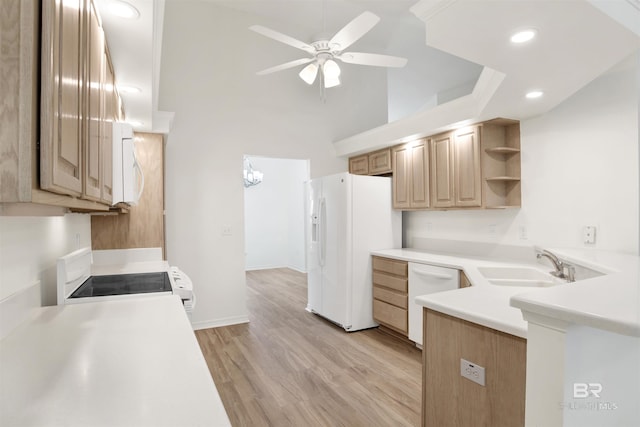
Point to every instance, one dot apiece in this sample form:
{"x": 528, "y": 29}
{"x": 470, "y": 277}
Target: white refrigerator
{"x": 348, "y": 217}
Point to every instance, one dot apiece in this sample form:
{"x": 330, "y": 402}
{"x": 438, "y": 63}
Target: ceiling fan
{"x": 325, "y": 52}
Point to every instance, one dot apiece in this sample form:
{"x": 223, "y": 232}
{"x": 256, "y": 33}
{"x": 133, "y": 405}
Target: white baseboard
{"x": 216, "y": 323}
{"x": 271, "y": 267}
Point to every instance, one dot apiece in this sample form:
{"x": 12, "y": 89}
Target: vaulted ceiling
{"x": 447, "y": 42}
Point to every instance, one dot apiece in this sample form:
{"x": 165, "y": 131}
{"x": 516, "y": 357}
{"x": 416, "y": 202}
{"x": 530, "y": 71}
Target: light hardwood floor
{"x": 288, "y": 367}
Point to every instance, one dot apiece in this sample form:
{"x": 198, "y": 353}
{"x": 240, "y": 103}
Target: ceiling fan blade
{"x": 353, "y": 31}
{"x": 372, "y": 59}
{"x": 286, "y": 65}
{"x": 282, "y": 38}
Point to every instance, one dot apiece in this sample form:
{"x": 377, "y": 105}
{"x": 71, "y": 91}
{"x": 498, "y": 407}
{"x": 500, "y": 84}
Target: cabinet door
{"x": 419, "y": 175}
{"x": 442, "y": 181}
{"x": 359, "y": 165}
{"x": 92, "y": 182}
{"x": 109, "y": 116}
{"x": 401, "y": 160}
{"x": 380, "y": 162}
{"x": 61, "y": 97}
{"x": 467, "y": 174}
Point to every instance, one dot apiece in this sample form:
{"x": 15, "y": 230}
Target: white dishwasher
{"x": 427, "y": 279}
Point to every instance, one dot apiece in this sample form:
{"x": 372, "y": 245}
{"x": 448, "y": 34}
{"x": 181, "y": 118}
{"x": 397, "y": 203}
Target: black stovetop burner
{"x": 123, "y": 284}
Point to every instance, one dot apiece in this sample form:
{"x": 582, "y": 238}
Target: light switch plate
{"x": 472, "y": 372}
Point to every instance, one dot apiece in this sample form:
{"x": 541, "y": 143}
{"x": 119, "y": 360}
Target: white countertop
{"x": 112, "y": 363}
{"x": 610, "y": 302}
{"x": 482, "y": 303}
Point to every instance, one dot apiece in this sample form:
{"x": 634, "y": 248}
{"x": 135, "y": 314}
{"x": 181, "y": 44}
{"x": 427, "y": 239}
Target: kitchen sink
{"x": 519, "y": 276}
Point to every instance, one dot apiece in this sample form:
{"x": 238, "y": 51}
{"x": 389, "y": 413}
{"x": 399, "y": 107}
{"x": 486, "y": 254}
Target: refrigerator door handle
{"x": 322, "y": 232}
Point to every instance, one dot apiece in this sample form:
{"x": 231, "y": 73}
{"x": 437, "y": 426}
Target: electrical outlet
{"x": 589, "y": 234}
{"x": 226, "y": 230}
{"x": 522, "y": 232}
{"x": 492, "y": 228}
{"x": 472, "y": 372}
{"x": 77, "y": 240}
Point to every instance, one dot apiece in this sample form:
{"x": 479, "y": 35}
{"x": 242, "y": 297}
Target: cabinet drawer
{"x": 390, "y": 315}
{"x": 390, "y": 266}
{"x": 393, "y": 298}
{"x": 397, "y": 283}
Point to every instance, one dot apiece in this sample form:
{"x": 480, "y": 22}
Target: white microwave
{"x": 128, "y": 178}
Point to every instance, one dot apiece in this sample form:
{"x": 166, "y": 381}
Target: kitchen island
{"x": 579, "y": 322}
{"x": 133, "y": 362}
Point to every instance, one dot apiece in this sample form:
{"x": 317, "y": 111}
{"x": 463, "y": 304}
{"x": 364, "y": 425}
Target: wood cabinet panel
{"x": 61, "y": 100}
{"x": 391, "y": 266}
{"x": 380, "y": 162}
{"x": 394, "y": 298}
{"x": 390, "y": 315}
{"x": 451, "y": 400}
{"x": 441, "y": 171}
{"x": 392, "y": 282}
{"x": 359, "y": 165}
{"x": 401, "y": 177}
{"x": 108, "y": 117}
{"x": 464, "y": 280}
{"x": 94, "y": 89}
{"x": 411, "y": 175}
{"x": 419, "y": 176}
{"x": 467, "y": 176}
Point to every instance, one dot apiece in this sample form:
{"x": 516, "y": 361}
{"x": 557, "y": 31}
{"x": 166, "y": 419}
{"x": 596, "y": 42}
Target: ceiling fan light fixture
{"x": 331, "y": 70}
{"x": 309, "y": 73}
{"x": 331, "y": 82}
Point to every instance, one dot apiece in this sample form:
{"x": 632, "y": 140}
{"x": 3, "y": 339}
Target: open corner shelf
{"x": 503, "y": 150}
{"x": 502, "y": 178}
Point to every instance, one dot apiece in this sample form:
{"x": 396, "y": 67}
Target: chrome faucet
{"x": 562, "y": 269}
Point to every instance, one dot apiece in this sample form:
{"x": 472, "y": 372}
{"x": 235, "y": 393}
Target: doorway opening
{"x": 274, "y": 210}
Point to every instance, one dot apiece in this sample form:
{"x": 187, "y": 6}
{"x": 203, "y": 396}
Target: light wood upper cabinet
{"x": 467, "y": 181}
{"x": 61, "y": 106}
{"x": 410, "y": 175}
{"x": 455, "y": 169}
{"x": 109, "y": 114}
{"x": 94, "y": 90}
{"x": 359, "y": 165}
{"x": 374, "y": 163}
{"x": 380, "y": 162}
{"x": 442, "y": 171}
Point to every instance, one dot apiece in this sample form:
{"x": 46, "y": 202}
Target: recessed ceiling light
{"x": 128, "y": 89}
{"x": 534, "y": 94}
{"x": 123, "y": 9}
{"x": 523, "y": 36}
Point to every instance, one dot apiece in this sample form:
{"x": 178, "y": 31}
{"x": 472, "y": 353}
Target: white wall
{"x": 223, "y": 111}
{"x": 274, "y": 215}
{"x": 30, "y": 247}
{"x": 579, "y": 167}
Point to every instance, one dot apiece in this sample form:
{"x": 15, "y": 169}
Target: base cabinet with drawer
{"x": 390, "y": 298}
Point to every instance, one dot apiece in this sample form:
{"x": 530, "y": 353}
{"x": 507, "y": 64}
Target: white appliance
{"x": 426, "y": 279}
{"x": 128, "y": 179}
{"x": 348, "y": 217}
{"x": 120, "y": 274}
